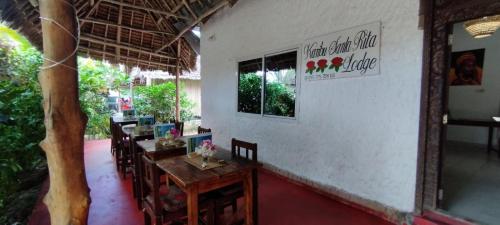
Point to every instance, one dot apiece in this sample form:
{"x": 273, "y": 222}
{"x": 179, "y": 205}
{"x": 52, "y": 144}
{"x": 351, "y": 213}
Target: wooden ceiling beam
{"x": 197, "y": 21}
{"x": 104, "y": 22}
{"x": 92, "y": 10}
{"x": 125, "y": 57}
{"x": 92, "y": 38}
{"x": 146, "y": 9}
{"x": 189, "y": 9}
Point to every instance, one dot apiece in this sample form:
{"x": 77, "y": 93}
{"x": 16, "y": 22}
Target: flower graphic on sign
{"x": 310, "y": 67}
{"x": 321, "y": 65}
{"x": 336, "y": 63}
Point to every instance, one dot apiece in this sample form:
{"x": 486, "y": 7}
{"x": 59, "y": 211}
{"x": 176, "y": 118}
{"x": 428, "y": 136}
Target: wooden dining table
{"x": 194, "y": 181}
{"x": 149, "y": 149}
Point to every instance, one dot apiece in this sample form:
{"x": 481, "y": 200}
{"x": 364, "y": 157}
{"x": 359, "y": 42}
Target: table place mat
{"x": 196, "y": 161}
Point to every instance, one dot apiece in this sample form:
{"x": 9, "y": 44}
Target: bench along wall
{"x": 476, "y": 101}
{"x": 356, "y": 135}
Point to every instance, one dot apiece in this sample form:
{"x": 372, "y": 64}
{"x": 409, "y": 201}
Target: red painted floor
{"x": 280, "y": 202}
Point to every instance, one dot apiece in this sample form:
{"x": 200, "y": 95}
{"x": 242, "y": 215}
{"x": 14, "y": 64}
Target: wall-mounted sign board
{"x": 352, "y": 52}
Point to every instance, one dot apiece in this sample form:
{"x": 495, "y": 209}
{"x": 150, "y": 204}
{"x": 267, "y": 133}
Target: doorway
{"x": 432, "y": 195}
{"x": 470, "y": 164}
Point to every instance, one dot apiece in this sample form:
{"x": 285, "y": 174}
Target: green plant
{"x": 21, "y": 111}
{"x": 280, "y": 101}
{"x": 249, "y": 93}
{"x": 96, "y": 77}
{"x": 159, "y": 101}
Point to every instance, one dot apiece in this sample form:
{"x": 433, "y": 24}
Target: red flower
{"x": 321, "y": 65}
{"x": 336, "y": 63}
{"x": 310, "y": 67}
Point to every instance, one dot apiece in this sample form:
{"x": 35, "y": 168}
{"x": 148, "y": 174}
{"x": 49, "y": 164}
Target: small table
{"x": 490, "y": 123}
{"x": 148, "y": 146}
{"x": 194, "y": 181}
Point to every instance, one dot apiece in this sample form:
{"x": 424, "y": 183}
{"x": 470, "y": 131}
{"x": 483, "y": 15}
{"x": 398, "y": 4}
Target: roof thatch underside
{"x": 130, "y": 32}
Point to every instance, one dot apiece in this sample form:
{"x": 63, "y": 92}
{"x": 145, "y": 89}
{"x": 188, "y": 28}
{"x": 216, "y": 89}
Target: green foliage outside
{"x": 249, "y": 93}
{"x": 159, "y": 101}
{"x": 279, "y": 99}
{"x": 21, "y": 114}
{"x": 95, "y": 79}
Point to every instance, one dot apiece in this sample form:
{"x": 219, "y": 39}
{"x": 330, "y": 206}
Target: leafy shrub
{"x": 249, "y": 93}
{"x": 159, "y": 101}
{"x": 21, "y": 110}
{"x": 279, "y": 100}
{"x": 95, "y": 78}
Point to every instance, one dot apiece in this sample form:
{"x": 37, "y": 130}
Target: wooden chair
{"x": 229, "y": 196}
{"x": 136, "y": 167}
{"x": 123, "y": 153}
{"x": 202, "y": 130}
{"x": 113, "y": 139}
{"x": 165, "y": 204}
{"x": 179, "y": 126}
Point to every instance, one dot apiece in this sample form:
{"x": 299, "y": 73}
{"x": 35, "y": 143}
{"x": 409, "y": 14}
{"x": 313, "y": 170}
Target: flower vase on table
{"x": 206, "y": 150}
{"x": 172, "y": 135}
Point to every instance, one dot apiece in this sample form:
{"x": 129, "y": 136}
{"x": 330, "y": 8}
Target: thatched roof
{"x": 139, "y": 33}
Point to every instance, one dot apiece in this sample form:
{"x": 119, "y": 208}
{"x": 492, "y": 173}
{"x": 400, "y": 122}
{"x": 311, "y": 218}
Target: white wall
{"x": 193, "y": 91}
{"x": 358, "y": 135}
{"x": 476, "y": 102}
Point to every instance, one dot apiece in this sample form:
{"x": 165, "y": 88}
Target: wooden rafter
{"x": 197, "y": 21}
{"x": 164, "y": 23}
{"x": 90, "y": 38}
{"x": 104, "y": 22}
{"x": 145, "y": 9}
{"x": 128, "y": 58}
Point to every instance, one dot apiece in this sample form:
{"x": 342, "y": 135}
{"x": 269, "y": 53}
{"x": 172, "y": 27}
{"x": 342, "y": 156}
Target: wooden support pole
{"x": 177, "y": 74}
{"x": 68, "y": 198}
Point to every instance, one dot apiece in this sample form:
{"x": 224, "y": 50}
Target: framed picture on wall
{"x": 466, "y": 68}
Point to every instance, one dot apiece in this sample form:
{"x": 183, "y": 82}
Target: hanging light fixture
{"x": 483, "y": 27}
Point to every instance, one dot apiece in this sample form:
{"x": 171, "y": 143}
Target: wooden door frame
{"x": 438, "y": 15}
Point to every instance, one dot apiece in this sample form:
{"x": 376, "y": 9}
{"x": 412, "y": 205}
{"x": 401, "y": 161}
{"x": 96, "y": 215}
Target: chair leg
{"x": 234, "y": 205}
{"x": 147, "y": 219}
{"x": 158, "y": 220}
{"x": 134, "y": 186}
{"x": 211, "y": 214}
{"x": 124, "y": 167}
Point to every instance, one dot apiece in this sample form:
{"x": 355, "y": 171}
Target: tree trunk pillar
{"x": 68, "y": 197}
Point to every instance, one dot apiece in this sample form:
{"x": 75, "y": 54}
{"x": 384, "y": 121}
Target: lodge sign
{"x": 352, "y": 52}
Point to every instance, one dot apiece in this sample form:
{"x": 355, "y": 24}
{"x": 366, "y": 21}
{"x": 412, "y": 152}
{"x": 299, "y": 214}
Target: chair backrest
{"x": 151, "y": 179}
{"x": 202, "y": 130}
{"x": 180, "y": 127}
{"x": 237, "y": 145}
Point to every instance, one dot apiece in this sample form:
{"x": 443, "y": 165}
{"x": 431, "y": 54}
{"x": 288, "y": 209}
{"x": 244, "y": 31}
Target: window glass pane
{"x": 279, "y": 95}
{"x": 250, "y": 86}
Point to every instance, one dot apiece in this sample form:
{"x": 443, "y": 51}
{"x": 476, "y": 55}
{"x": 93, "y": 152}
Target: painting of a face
{"x": 466, "y": 68}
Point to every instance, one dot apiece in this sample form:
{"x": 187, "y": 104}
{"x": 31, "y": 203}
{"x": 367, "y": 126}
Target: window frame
{"x": 298, "y": 79}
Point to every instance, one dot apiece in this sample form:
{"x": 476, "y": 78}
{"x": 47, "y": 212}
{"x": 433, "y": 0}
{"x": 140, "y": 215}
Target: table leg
{"x": 192, "y": 206}
{"x": 248, "y": 196}
{"x": 490, "y": 139}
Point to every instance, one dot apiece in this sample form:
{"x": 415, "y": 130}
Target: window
{"x": 277, "y": 76}
{"x": 250, "y": 86}
{"x": 279, "y": 91}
